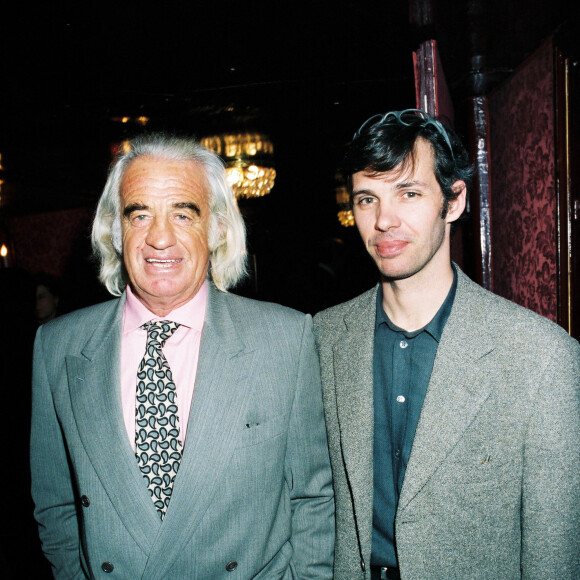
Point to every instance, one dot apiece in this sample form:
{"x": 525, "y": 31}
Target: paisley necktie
{"x": 157, "y": 443}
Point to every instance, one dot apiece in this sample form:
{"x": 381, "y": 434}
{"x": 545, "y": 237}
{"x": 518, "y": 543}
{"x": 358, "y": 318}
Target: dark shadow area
{"x": 19, "y": 545}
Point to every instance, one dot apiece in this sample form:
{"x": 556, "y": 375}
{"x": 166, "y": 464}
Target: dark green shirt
{"x": 402, "y": 365}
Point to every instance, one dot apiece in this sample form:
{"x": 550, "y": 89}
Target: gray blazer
{"x": 492, "y": 487}
{"x": 253, "y": 497}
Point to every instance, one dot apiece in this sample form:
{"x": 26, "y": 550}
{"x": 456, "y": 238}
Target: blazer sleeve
{"x": 551, "y": 477}
{"x": 52, "y": 486}
{"x": 308, "y": 473}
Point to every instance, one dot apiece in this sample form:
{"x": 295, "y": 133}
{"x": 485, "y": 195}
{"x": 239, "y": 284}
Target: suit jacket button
{"x": 231, "y": 566}
{"x": 107, "y": 567}
{"x": 85, "y": 501}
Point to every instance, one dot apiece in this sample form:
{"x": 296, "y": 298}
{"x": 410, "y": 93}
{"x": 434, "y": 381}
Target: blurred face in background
{"x": 46, "y": 304}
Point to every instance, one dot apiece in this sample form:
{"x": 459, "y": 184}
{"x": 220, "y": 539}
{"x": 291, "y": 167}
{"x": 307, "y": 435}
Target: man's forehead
{"x": 149, "y": 166}
{"x": 420, "y": 160}
{"x": 397, "y": 175}
{"x": 164, "y": 178}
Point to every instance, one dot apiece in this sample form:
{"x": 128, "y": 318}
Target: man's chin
{"x": 391, "y": 273}
{"x": 394, "y": 277}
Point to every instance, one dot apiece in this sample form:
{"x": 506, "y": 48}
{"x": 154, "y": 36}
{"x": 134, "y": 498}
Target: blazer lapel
{"x": 353, "y": 367}
{"x": 219, "y": 402}
{"x": 96, "y": 403}
{"x": 456, "y": 391}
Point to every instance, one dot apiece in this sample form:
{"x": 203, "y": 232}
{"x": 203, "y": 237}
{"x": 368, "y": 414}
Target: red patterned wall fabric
{"x": 523, "y": 188}
{"x": 45, "y": 242}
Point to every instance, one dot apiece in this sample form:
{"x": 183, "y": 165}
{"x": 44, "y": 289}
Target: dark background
{"x": 306, "y": 73}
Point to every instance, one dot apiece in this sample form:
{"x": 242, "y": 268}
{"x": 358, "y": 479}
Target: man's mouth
{"x": 162, "y": 263}
{"x": 388, "y": 248}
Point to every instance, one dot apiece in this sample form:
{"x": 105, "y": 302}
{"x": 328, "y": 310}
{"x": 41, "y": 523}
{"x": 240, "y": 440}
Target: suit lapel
{"x": 456, "y": 391}
{"x": 219, "y": 401}
{"x": 96, "y": 403}
{"x": 353, "y": 367}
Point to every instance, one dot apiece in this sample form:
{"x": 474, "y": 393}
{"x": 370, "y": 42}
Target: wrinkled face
{"x": 165, "y": 226}
{"x": 398, "y": 215}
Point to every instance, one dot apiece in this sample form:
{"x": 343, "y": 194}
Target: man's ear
{"x": 456, "y": 206}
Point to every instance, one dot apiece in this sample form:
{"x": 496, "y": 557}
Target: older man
{"x": 178, "y": 430}
{"x": 453, "y": 415}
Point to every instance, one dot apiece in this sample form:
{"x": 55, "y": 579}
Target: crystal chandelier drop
{"x": 345, "y": 216}
{"x": 249, "y": 159}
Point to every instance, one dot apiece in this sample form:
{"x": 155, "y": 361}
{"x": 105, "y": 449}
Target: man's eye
{"x": 364, "y": 200}
{"x": 182, "y": 218}
{"x": 411, "y": 194}
{"x": 139, "y": 219}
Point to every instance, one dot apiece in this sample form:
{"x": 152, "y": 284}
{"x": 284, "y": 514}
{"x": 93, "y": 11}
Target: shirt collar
{"x": 191, "y": 314}
{"x": 437, "y": 324}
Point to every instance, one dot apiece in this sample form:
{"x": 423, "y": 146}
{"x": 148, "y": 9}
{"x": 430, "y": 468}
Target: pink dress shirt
{"x": 181, "y": 352}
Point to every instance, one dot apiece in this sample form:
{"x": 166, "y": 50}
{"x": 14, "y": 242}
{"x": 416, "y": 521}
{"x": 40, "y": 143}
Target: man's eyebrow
{"x": 188, "y": 205}
{"x": 407, "y": 184}
{"x": 362, "y": 191}
{"x": 129, "y": 209}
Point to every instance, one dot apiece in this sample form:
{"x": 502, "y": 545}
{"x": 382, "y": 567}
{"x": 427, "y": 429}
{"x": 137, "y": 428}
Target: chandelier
{"x": 345, "y": 215}
{"x": 249, "y": 159}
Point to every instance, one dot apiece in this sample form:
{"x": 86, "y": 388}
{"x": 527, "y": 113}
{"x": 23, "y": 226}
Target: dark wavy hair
{"x": 385, "y": 142}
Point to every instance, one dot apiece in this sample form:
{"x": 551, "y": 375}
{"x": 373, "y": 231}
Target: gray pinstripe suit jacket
{"x": 254, "y": 486}
{"x": 492, "y": 488}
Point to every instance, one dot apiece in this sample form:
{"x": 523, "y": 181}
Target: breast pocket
{"x": 260, "y": 430}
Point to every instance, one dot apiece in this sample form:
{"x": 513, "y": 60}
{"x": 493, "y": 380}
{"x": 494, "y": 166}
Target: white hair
{"x": 227, "y": 235}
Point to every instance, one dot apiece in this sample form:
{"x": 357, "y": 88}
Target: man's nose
{"x": 161, "y": 234}
{"x": 387, "y": 216}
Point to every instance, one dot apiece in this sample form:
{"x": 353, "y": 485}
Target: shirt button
{"x": 85, "y": 501}
{"x": 400, "y": 399}
{"x": 231, "y": 566}
{"x": 403, "y": 344}
{"x": 107, "y": 567}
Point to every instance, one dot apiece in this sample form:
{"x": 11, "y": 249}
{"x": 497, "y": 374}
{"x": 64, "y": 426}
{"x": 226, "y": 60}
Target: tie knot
{"x": 158, "y": 331}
